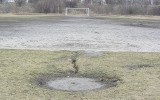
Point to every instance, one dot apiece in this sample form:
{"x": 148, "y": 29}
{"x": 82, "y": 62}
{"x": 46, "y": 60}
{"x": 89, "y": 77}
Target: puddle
{"x": 74, "y": 84}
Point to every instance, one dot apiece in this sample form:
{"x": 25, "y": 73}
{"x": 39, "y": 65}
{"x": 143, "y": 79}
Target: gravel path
{"x": 66, "y": 33}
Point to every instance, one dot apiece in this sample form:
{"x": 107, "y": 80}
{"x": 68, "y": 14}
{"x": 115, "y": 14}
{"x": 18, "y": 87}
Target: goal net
{"x": 77, "y": 12}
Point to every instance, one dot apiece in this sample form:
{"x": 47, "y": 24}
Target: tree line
{"x": 140, "y": 7}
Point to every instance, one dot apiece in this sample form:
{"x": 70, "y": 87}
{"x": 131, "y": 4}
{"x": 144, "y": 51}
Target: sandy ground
{"x": 72, "y": 33}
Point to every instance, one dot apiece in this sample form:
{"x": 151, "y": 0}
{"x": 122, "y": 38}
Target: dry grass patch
{"x": 18, "y": 69}
{"x": 136, "y": 17}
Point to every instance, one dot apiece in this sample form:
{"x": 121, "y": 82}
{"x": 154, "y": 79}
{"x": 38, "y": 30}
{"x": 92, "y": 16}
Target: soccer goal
{"x": 77, "y": 11}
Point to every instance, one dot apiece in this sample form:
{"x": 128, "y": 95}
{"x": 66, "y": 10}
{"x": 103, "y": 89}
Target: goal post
{"x": 82, "y": 10}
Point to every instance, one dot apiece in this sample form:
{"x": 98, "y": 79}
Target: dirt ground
{"x": 75, "y": 33}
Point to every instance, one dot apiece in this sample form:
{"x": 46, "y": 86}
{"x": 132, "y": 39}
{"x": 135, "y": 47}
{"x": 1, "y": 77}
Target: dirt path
{"x": 66, "y": 33}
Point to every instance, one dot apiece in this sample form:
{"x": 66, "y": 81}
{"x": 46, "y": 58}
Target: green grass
{"x": 19, "y": 68}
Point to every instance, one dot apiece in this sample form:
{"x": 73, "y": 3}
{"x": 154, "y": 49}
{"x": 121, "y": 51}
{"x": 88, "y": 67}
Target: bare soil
{"x": 75, "y": 33}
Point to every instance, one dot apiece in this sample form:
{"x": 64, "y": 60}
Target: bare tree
{"x": 48, "y": 6}
{"x": 20, "y": 2}
{"x": 71, "y": 4}
{"x": 157, "y": 2}
{"x": 33, "y": 1}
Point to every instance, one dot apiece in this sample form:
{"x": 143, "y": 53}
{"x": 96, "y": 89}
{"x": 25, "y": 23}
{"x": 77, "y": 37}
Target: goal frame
{"x": 87, "y": 10}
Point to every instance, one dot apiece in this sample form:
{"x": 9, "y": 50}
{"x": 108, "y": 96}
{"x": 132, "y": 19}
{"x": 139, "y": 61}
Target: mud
{"x": 69, "y": 33}
{"x": 72, "y": 82}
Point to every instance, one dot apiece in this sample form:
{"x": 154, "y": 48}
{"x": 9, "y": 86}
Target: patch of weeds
{"x": 74, "y": 62}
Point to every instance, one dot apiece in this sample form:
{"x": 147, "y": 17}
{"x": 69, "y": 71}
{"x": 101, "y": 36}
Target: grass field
{"x": 138, "y": 75}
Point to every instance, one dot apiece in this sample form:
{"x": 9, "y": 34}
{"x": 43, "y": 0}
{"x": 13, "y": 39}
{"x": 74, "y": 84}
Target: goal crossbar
{"x": 87, "y": 10}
